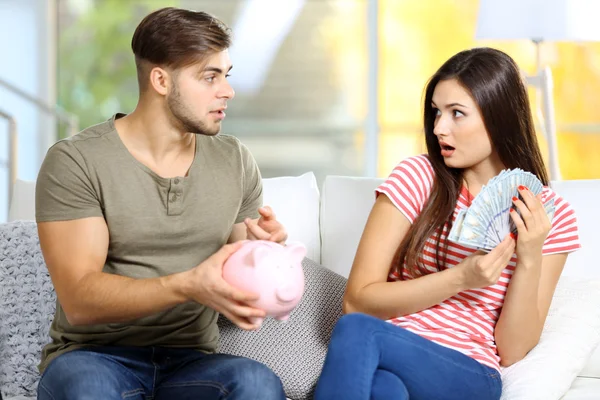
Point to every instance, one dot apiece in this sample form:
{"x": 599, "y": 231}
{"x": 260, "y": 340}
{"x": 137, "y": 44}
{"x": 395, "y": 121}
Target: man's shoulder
{"x": 222, "y": 140}
{"x": 89, "y": 138}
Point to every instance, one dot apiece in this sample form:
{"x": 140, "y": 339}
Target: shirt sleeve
{"x": 564, "y": 233}
{"x": 409, "y": 185}
{"x": 252, "y": 187}
{"x": 63, "y": 187}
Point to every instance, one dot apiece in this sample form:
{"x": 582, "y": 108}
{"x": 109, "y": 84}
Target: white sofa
{"x": 329, "y": 222}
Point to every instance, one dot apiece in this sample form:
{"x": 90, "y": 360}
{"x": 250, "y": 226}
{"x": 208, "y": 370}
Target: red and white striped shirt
{"x": 464, "y": 322}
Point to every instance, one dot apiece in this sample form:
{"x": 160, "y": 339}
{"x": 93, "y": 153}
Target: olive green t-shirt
{"x": 157, "y": 226}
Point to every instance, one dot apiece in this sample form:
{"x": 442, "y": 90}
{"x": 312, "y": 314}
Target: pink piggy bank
{"x": 272, "y": 271}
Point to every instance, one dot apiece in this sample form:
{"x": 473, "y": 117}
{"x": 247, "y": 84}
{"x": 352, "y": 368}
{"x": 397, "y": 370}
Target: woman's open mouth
{"x": 447, "y": 150}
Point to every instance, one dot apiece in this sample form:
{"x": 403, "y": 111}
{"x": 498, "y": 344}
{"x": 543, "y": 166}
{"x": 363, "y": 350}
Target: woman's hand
{"x": 481, "y": 270}
{"x": 533, "y": 226}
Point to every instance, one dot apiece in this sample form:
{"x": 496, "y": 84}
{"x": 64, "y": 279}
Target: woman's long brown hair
{"x": 496, "y": 86}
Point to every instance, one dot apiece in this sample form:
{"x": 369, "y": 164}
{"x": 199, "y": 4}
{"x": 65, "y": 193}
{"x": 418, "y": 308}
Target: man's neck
{"x": 156, "y": 143}
{"x": 150, "y": 132}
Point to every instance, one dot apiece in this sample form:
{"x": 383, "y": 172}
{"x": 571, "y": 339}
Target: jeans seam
{"x": 46, "y": 390}
{"x": 214, "y": 384}
{"x": 130, "y": 393}
{"x": 153, "y": 391}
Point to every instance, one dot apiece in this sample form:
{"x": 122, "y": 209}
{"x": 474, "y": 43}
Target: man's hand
{"x": 266, "y": 228}
{"x": 205, "y": 285}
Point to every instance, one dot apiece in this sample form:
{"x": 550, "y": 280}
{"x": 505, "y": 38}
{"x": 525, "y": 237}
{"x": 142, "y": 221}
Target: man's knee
{"x": 80, "y": 375}
{"x": 256, "y": 380}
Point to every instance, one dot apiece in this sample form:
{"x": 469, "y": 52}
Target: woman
{"x": 439, "y": 323}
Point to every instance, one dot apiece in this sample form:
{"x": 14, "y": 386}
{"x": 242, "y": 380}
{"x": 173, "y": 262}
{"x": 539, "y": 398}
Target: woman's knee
{"x": 356, "y": 323}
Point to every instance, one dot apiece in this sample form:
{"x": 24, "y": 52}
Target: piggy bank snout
{"x": 286, "y": 293}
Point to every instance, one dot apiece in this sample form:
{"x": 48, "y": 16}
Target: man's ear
{"x": 160, "y": 80}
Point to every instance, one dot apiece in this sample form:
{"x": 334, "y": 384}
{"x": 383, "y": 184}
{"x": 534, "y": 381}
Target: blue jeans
{"x": 156, "y": 373}
{"x": 370, "y": 359}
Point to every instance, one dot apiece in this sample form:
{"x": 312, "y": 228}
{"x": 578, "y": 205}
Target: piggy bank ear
{"x": 259, "y": 254}
{"x": 296, "y": 250}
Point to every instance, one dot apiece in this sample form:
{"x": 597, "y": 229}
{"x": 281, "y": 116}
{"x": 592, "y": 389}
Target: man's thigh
{"x": 219, "y": 376}
{"x": 91, "y": 374}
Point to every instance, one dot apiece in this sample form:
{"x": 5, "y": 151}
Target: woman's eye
{"x": 437, "y": 112}
{"x": 458, "y": 113}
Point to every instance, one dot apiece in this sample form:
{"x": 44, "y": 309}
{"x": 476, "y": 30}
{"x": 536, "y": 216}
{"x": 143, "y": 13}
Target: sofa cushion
{"x": 570, "y": 335}
{"x": 345, "y": 206}
{"x": 296, "y": 349}
{"x": 295, "y": 201}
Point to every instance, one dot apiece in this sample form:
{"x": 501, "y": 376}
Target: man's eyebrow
{"x": 215, "y": 69}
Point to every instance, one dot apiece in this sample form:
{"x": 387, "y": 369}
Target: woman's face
{"x": 459, "y": 127}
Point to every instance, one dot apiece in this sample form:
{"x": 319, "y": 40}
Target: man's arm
{"x": 75, "y": 252}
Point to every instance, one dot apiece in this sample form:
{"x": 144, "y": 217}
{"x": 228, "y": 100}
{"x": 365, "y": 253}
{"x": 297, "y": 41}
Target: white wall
{"x": 27, "y": 61}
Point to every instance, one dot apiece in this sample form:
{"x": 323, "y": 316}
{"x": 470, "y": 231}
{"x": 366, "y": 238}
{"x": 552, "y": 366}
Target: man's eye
{"x": 210, "y": 78}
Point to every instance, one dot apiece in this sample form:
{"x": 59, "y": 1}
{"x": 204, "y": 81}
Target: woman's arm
{"x": 526, "y": 307}
{"x": 532, "y": 285}
{"x": 368, "y": 290}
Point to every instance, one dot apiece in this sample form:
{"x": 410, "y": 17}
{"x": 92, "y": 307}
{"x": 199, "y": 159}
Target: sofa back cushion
{"x": 295, "y": 201}
{"x": 345, "y": 205}
{"x": 22, "y": 202}
{"x": 583, "y": 196}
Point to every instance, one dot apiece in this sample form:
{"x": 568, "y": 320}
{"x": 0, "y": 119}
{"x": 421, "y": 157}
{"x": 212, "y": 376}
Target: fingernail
{"x": 521, "y": 187}
{"x": 512, "y": 235}
{"x": 514, "y": 198}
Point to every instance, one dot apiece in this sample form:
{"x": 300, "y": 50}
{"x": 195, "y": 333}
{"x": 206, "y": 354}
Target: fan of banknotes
{"x": 487, "y": 221}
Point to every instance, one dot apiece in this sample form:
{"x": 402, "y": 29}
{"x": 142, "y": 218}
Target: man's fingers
{"x": 245, "y": 311}
{"x": 266, "y": 212}
{"x": 279, "y": 236}
{"x": 257, "y": 231}
{"x": 240, "y": 322}
{"x": 240, "y": 296}
{"x": 224, "y": 252}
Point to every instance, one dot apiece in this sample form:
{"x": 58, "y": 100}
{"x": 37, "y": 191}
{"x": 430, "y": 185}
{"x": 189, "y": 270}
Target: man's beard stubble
{"x": 183, "y": 117}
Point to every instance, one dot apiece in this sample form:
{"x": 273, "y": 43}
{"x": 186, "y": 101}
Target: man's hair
{"x": 175, "y": 38}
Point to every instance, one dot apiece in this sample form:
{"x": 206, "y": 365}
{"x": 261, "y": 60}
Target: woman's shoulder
{"x": 418, "y": 167}
{"x": 549, "y": 194}
{"x": 563, "y": 211}
{"x": 418, "y": 162}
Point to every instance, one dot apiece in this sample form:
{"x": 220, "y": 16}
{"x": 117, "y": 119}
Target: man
{"x": 133, "y": 217}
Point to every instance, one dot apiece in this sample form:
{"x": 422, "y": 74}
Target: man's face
{"x": 199, "y": 95}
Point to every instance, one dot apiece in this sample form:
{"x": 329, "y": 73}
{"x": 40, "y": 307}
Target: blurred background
{"x": 329, "y": 86}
